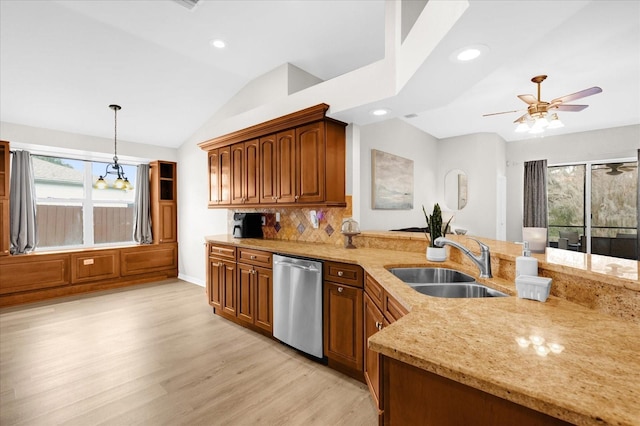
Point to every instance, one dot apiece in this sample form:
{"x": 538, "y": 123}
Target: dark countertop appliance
{"x": 247, "y": 225}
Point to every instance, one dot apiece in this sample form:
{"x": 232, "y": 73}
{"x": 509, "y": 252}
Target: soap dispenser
{"x": 525, "y": 264}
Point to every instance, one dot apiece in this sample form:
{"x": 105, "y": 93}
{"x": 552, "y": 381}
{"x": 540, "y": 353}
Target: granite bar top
{"x": 586, "y": 369}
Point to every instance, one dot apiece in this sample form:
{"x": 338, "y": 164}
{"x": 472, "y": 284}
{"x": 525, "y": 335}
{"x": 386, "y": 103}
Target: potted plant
{"x": 435, "y": 228}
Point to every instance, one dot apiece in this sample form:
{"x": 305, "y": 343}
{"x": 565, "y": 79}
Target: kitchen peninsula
{"x": 591, "y": 372}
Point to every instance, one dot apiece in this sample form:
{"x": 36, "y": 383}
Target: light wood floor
{"x": 155, "y": 354}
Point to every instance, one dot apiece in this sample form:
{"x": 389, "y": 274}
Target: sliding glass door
{"x": 598, "y": 201}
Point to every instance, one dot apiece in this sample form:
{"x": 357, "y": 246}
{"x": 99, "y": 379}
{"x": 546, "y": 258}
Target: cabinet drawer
{"x": 392, "y": 309}
{"x": 255, "y": 257}
{"x": 343, "y": 273}
{"x": 374, "y": 290}
{"x": 223, "y": 252}
{"x": 94, "y": 265}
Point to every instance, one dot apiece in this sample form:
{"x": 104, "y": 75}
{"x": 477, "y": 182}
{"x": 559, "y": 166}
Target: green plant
{"x": 434, "y": 223}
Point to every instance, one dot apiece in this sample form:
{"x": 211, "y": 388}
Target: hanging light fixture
{"x": 114, "y": 168}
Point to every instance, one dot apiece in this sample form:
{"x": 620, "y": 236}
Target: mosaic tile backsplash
{"x": 295, "y": 223}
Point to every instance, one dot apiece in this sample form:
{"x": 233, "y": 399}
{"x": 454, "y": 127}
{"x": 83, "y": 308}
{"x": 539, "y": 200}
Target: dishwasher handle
{"x": 295, "y": 265}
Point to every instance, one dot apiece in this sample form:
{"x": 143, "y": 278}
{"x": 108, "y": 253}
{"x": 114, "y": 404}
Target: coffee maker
{"x": 247, "y": 225}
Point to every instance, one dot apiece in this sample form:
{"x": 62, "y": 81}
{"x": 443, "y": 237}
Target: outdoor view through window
{"x": 72, "y": 212}
{"x": 597, "y": 201}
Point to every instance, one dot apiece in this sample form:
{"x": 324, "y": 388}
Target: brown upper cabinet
{"x": 295, "y": 159}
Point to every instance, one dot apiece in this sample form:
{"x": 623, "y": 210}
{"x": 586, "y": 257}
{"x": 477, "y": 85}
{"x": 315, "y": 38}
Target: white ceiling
{"x": 63, "y": 62}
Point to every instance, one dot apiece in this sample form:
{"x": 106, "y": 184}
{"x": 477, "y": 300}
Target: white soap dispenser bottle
{"x": 525, "y": 264}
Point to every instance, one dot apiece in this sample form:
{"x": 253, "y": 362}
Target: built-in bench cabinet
{"x": 291, "y": 160}
{"x": 42, "y": 275}
{"x": 38, "y": 276}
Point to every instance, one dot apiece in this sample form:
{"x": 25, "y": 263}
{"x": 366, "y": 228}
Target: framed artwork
{"x": 391, "y": 181}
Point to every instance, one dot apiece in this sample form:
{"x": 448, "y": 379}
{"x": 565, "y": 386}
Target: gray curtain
{"x": 142, "y": 209}
{"x": 22, "y": 205}
{"x": 535, "y": 194}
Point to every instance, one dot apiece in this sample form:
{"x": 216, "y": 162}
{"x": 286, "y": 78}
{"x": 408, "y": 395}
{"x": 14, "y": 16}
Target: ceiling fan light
{"x": 536, "y": 130}
{"x": 555, "y": 122}
{"x": 522, "y": 127}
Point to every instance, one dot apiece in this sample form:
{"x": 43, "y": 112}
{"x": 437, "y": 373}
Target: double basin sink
{"x": 443, "y": 282}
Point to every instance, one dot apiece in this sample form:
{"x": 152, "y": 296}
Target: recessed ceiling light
{"x": 379, "y": 112}
{"x": 469, "y": 53}
{"x": 218, "y": 43}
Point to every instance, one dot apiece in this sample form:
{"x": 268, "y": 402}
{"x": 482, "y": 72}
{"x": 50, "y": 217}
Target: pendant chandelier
{"x": 114, "y": 168}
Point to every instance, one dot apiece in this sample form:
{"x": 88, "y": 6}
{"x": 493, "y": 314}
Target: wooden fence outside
{"x": 62, "y": 225}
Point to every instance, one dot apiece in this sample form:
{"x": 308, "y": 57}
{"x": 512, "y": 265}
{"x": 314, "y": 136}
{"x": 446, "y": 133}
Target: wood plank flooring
{"x": 156, "y": 355}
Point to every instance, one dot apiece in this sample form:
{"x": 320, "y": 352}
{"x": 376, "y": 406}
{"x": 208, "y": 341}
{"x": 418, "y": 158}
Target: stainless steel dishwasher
{"x": 297, "y": 303}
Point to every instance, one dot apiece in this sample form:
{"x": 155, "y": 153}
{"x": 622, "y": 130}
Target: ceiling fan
{"x": 616, "y": 168}
{"x": 539, "y": 109}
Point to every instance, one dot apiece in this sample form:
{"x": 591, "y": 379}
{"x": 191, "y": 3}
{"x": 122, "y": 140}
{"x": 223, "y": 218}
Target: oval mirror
{"x": 455, "y": 189}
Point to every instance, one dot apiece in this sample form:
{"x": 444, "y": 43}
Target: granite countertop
{"x": 591, "y": 374}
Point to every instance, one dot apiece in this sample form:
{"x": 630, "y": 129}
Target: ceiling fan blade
{"x": 504, "y": 112}
{"x": 530, "y": 99}
{"x": 565, "y": 107}
{"x": 521, "y": 118}
{"x": 581, "y": 94}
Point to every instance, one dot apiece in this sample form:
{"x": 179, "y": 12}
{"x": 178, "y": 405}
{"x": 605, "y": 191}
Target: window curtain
{"x": 142, "y": 209}
{"x": 23, "y": 228}
{"x": 535, "y": 194}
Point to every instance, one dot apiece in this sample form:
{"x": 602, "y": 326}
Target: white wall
{"x": 605, "y": 144}
{"x": 482, "y": 157}
{"x": 87, "y": 147}
{"x": 398, "y": 138}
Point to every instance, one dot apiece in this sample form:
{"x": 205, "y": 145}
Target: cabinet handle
{"x": 340, "y": 289}
{"x": 378, "y": 325}
{"x": 340, "y": 273}
{"x": 296, "y": 197}
{"x": 220, "y": 264}
{"x": 252, "y": 257}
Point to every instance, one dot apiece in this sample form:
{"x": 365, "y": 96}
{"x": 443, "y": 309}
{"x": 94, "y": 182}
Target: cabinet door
{"x": 246, "y": 286}
{"x": 214, "y": 177}
{"x": 268, "y": 169}
{"x": 224, "y": 192}
{"x": 343, "y": 325}
{"x": 252, "y": 172}
{"x": 373, "y": 321}
{"x": 238, "y": 170}
{"x": 214, "y": 275}
{"x": 310, "y": 161}
{"x": 264, "y": 299}
{"x": 286, "y": 163}
{"x": 168, "y": 229}
{"x": 228, "y": 288}
{"x": 4, "y": 227}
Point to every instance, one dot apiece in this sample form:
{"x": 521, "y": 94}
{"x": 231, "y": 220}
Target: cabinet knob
{"x": 340, "y": 273}
{"x": 220, "y": 264}
{"x": 378, "y": 325}
{"x": 340, "y": 289}
{"x": 296, "y": 197}
{"x": 253, "y": 257}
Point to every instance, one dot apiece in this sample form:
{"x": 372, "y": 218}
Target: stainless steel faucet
{"x": 483, "y": 261}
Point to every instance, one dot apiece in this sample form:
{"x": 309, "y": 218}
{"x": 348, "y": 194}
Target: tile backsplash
{"x": 295, "y": 223}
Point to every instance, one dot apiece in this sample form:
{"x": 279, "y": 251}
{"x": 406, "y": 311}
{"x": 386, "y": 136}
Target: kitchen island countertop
{"x": 590, "y": 375}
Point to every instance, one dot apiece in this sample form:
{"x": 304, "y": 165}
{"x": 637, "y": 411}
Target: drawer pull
{"x": 252, "y": 257}
{"x": 340, "y": 289}
{"x": 378, "y": 325}
{"x": 340, "y": 273}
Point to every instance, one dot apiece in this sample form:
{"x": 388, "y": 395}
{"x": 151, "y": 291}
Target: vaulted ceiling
{"x": 63, "y": 62}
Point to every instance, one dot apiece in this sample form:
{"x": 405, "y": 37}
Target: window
{"x": 599, "y": 201}
{"x": 72, "y": 213}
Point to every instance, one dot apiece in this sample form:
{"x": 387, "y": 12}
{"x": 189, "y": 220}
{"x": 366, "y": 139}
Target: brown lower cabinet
{"x": 342, "y": 318}
{"x": 414, "y": 396}
{"x": 240, "y": 285}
